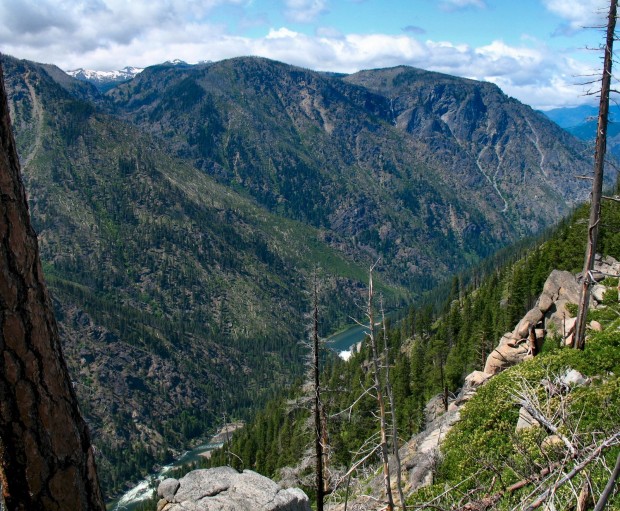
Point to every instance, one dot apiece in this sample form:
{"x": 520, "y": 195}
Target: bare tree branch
{"x": 613, "y": 440}
{"x": 609, "y": 486}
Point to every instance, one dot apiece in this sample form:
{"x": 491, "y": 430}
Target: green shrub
{"x": 483, "y": 445}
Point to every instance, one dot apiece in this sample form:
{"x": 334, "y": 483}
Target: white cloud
{"x": 282, "y": 33}
{"x": 304, "y": 11}
{"x": 110, "y": 34}
{"x": 578, "y": 14}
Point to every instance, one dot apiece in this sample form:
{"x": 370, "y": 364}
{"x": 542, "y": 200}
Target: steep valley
{"x": 180, "y": 214}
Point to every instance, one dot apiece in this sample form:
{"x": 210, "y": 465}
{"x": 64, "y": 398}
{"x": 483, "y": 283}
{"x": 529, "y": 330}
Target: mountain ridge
{"x": 167, "y": 285}
{"x": 310, "y": 122}
{"x": 180, "y": 212}
{"x": 104, "y": 80}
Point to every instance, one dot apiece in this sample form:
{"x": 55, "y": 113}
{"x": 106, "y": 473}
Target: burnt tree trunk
{"x": 318, "y": 423}
{"x": 46, "y": 459}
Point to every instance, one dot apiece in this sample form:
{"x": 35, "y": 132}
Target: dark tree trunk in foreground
{"x": 579, "y": 340}
{"x": 318, "y": 423}
{"x": 46, "y": 459}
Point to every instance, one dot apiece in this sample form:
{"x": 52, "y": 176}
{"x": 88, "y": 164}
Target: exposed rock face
{"x": 420, "y": 456}
{"x": 225, "y": 489}
{"x": 550, "y": 314}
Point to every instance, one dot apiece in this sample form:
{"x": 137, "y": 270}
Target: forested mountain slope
{"x": 169, "y": 288}
{"x": 425, "y": 169}
{"x": 179, "y": 214}
{"x": 430, "y": 352}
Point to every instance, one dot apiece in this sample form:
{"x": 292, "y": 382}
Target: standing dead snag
{"x": 597, "y": 183}
{"x": 319, "y": 424}
{"x": 379, "y": 393}
{"x": 390, "y": 395}
{"x": 46, "y": 459}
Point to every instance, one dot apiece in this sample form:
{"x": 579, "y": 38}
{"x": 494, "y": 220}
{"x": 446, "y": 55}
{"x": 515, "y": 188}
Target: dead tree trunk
{"x": 318, "y": 422}
{"x": 380, "y": 400}
{"x": 390, "y": 395}
{"x": 579, "y": 340}
{"x": 46, "y": 459}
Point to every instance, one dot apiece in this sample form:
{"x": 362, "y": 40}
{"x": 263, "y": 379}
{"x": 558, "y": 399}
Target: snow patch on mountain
{"x": 103, "y": 77}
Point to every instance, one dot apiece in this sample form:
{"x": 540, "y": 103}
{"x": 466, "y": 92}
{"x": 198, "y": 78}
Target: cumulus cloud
{"x": 110, "y": 34}
{"x": 578, "y": 13}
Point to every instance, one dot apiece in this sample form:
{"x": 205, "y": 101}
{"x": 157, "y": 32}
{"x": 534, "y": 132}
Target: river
{"x": 130, "y": 500}
{"x": 144, "y": 489}
{"x": 341, "y": 343}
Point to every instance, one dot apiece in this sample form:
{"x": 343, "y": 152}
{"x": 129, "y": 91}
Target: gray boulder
{"x": 607, "y": 265}
{"x": 225, "y": 489}
{"x": 167, "y": 488}
{"x": 562, "y": 285}
{"x": 598, "y": 292}
{"x": 573, "y": 378}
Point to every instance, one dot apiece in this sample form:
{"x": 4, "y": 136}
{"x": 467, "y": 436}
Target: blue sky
{"x": 535, "y": 50}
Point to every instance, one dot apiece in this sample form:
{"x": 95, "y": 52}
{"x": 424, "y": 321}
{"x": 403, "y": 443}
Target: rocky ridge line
{"x": 549, "y": 316}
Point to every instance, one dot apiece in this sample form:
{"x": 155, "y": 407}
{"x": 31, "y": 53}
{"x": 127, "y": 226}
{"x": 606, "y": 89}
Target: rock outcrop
{"x": 549, "y": 315}
{"x": 421, "y": 453}
{"x": 225, "y": 489}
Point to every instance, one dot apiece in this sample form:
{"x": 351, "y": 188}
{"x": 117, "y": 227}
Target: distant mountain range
{"x": 180, "y": 213}
{"x": 581, "y": 121}
{"x": 104, "y": 80}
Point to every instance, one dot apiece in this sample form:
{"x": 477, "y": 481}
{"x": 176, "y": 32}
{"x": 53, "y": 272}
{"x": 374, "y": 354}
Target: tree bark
{"x": 46, "y": 459}
{"x": 579, "y": 340}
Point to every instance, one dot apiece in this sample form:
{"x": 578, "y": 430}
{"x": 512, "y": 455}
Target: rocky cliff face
{"x": 483, "y": 140}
